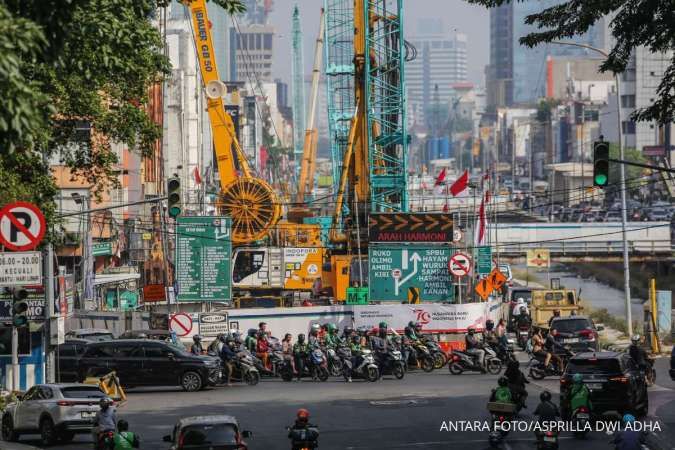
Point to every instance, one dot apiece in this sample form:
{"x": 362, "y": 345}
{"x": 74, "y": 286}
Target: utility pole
{"x": 622, "y": 186}
{"x": 50, "y": 366}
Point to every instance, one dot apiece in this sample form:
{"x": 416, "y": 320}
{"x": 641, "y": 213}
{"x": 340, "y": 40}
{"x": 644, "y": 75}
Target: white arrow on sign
{"x": 415, "y": 258}
{"x": 223, "y": 232}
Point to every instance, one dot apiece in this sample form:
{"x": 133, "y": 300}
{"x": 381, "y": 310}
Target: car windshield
{"x": 195, "y": 436}
{"x": 179, "y": 349}
{"x": 570, "y": 326}
{"x": 594, "y": 366}
{"x": 82, "y": 392}
{"x": 98, "y": 337}
{"x": 526, "y": 295}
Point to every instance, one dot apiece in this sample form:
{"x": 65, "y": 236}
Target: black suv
{"x": 577, "y": 332}
{"x": 143, "y": 362}
{"x": 616, "y": 383}
{"x": 67, "y": 360}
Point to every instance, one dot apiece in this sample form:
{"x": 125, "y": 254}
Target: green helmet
{"x": 383, "y": 325}
{"x": 577, "y": 378}
{"x": 331, "y": 327}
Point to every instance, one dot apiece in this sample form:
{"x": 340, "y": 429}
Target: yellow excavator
{"x": 290, "y": 260}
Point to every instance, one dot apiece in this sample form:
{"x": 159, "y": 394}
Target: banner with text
{"x": 435, "y": 318}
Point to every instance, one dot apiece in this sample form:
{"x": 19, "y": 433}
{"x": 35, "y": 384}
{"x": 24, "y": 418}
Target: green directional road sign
{"x": 484, "y": 260}
{"x": 394, "y": 269}
{"x": 101, "y": 248}
{"x": 203, "y": 259}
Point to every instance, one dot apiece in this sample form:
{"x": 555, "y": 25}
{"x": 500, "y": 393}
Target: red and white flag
{"x": 480, "y": 226}
{"x": 460, "y": 185}
{"x": 198, "y": 177}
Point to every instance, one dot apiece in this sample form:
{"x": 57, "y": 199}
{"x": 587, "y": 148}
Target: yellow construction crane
{"x": 250, "y": 201}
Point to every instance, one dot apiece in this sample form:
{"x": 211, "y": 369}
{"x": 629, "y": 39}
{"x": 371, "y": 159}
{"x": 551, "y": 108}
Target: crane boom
{"x": 250, "y": 201}
{"x": 309, "y": 149}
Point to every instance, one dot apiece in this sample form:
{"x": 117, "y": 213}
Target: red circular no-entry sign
{"x": 22, "y": 226}
{"x": 459, "y": 265}
{"x": 181, "y": 324}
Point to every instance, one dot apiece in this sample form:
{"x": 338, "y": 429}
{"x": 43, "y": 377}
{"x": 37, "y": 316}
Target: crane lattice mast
{"x": 298, "y": 89}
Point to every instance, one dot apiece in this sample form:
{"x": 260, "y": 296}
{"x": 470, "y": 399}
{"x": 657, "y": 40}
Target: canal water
{"x": 598, "y": 295}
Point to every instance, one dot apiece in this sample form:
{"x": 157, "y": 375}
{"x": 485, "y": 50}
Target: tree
{"x": 635, "y": 23}
{"x": 633, "y": 174}
{"x": 65, "y": 62}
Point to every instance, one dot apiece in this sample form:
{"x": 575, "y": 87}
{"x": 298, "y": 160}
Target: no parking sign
{"x": 22, "y": 226}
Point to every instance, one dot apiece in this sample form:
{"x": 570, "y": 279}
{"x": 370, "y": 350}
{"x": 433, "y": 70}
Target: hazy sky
{"x": 457, "y": 14}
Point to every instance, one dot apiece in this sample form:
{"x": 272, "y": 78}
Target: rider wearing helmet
{"x": 637, "y": 353}
{"x": 251, "y": 341}
{"x": 629, "y": 438}
{"x": 303, "y": 434}
{"x": 490, "y": 335}
{"x": 579, "y": 394}
{"x": 517, "y": 381}
{"x": 332, "y": 340}
{"x": 300, "y": 352}
{"x": 474, "y": 347}
{"x": 228, "y": 356}
{"x": 547, "y": 411}
{"x": 518, "y": 308}
{"x": 502, "y": 394}
{"x": 410, "y": 331}
{"x": 105, "y": 420}
{"x": 125, "y": 439}
{"x": 197, "y": 348}
{"x": 313, "y": 339}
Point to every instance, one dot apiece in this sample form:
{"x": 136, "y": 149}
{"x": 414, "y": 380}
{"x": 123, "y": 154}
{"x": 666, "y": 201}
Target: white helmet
{"x": 635, "y": 338}
{"x": 520, "y": 300}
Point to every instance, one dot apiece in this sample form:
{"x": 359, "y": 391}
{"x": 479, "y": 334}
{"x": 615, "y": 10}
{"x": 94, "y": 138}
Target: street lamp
{"x": 622, "y": 184}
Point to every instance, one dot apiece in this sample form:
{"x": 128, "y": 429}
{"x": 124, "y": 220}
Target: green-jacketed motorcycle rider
{"x": 332, "y": 339}
{"x": 579, "y": 394}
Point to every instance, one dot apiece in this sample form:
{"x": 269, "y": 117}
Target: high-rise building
{"x": 516, "y": 74}
{"x": 251, "y": 52}
{"x": 441, "y": 60}
{"x": 257, "y": 11}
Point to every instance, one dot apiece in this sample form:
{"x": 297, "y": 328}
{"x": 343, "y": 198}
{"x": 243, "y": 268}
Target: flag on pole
{"x": 460, "y": 185}
{"x": 441, "y": 178}
{"x": 198, "y": 177}
{"x": 480, "y": 229}
{"x": 445, "y": 208}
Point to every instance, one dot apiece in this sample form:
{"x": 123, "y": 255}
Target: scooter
{"x": 463, "y": 362}
{"x": 244, "y": 369}
{"x": 522, "y": 335}
{"x": 538, "y": 371}
{"x": 334, "y": 363}
{"x": 436, "y": 353}
{"x": 367, "y": 369}
{"x": 547, "y": 440}
{"x": 501, "y": 413}
{"x": 304, "y": 438}
{"x": 581, "y": 417}
{"x": 393, "y": 364}
{"x": 419, "y": 356}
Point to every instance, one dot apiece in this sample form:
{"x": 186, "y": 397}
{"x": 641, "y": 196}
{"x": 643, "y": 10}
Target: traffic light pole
{"x": 15, "y": 358}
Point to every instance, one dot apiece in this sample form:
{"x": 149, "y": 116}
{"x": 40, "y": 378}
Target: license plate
{"x": 594, "y": 385}
{"x": 550, "y": 439}
{"x": 582, "y": 416}
{"x": 571, "y": 340}
{"x": 88, "y": 414}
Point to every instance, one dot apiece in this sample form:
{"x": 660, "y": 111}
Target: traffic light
{"x": 173, "y": 190}
{"x": 19, "y": 307}
{"x": 600, "y": 163}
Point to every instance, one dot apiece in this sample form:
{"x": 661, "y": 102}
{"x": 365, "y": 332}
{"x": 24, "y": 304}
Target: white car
{"x": 55, "y": 411}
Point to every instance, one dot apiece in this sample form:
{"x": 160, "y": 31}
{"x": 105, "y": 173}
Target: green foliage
{"x": 632, "y": 173}
{"x": 636, "y": 23}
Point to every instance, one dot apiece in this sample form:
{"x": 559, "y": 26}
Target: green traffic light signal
{"x": 600, "y": 163}
{"x": 174, "y": 197}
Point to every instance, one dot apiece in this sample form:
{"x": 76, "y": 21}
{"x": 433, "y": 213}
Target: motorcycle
{"x": 105, "y": 440}
{"x": 244, "y": 369}
{"x": 505, "y": 354}
{"x": 367, "y": 370}
{"x": 345, "y": 354}
{"x": 522, "y": 336}
{"x": 334, "y": 363}
{"x": 419, "y": 356}
{"x": 392, "y": 364}
{"x": 581, "y": 417}
{"x": 650, "y": 373}
{"x": 501, "y": 413}
{"x": 437, "y": 354}
{"x": 463, "y": 361}
{"x": 547, "y": 440}
{"x": 304, "y": 438}
{"x": 538, "y": 371}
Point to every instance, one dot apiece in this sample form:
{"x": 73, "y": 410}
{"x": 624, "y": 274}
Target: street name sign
{"x": 22, "y": 226}
{"x": 20, "y": 268}
{"x": 203, "y": 259}
{"x": 408, "y": 227}
{"x": 394, "y": 269}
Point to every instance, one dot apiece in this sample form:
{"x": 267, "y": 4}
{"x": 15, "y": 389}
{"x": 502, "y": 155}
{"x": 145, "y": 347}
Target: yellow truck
{"x": 545, "y": 301}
